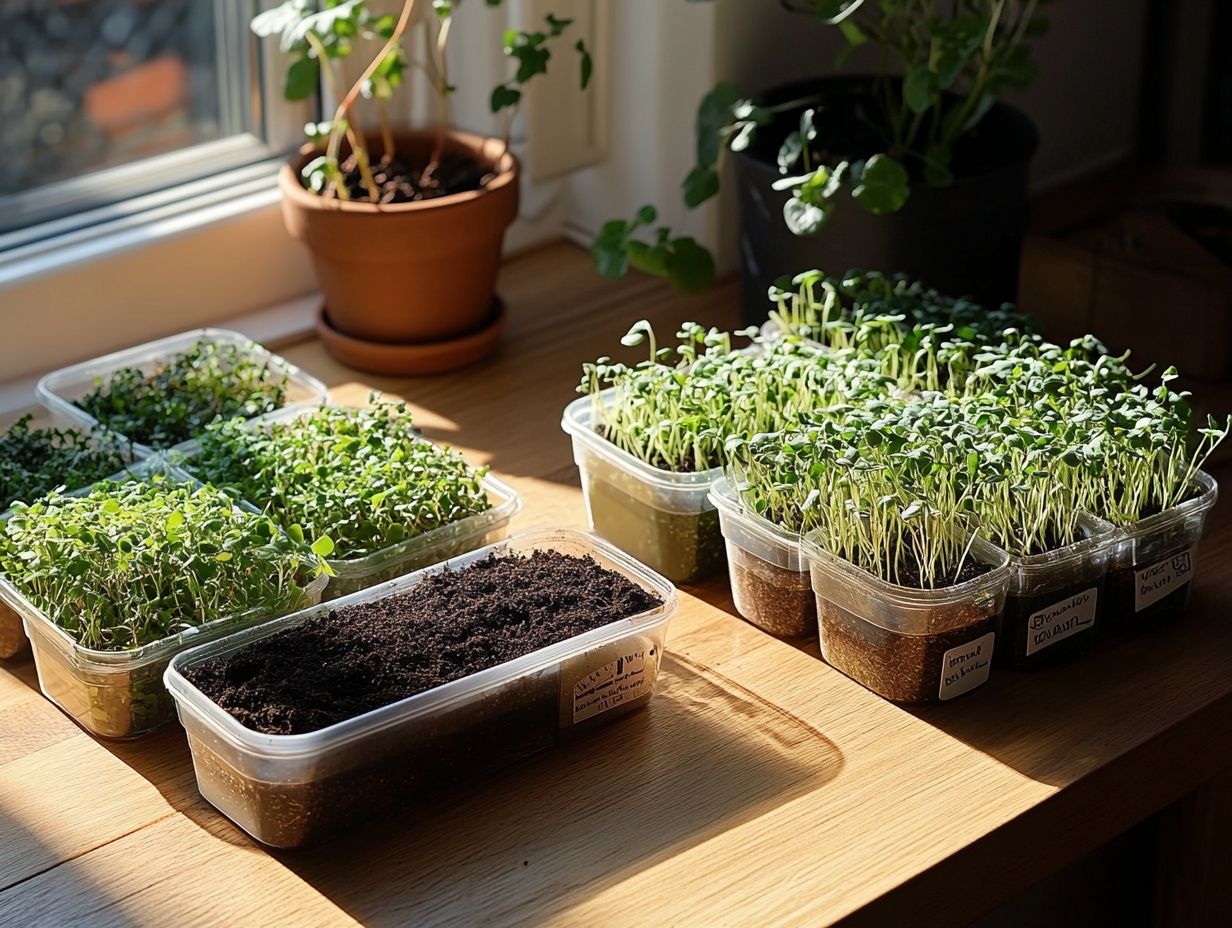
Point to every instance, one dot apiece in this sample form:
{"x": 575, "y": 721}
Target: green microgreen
{"x": 133, "y": 562}
{"x": 362, "y": 477}
{"x": 185, "y": 393}
{"x": 34, "y": 461}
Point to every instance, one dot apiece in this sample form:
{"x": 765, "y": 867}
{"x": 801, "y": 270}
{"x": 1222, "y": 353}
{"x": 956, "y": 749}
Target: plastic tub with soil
{"x": 439, "y": 544}
{"x": 119, "y": 695}
{"x": 1055, "y": 601}
{"x": 661, "y": 517}
{"x": 63, "y": 389}
{"x": 1151, "y": 572}
{"x": 346, "y": 709}
{"x": 910, "y": 645}
{"x": 769, "y": 573}
{"x": 95, "y": 456}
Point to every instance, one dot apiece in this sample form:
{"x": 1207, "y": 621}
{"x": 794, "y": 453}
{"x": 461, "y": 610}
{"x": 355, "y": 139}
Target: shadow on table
{"x": 1057, "y": 724}
{"x": 540, "y": 838}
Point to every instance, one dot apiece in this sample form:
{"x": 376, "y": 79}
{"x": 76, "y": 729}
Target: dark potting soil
{"x": 908, "y": 575}
{"x": 401, "y": 181}
{"x": 358, "y": 658}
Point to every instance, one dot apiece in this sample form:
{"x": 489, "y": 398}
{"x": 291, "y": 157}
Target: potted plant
{"x": 114, "y": 581}
{"x": 39, "y": 452}
{"x": 446, "y": 673}
{"x": 935, "y": 166}
{"x": 404, "y": 227}
{"x": 389, "y": 500}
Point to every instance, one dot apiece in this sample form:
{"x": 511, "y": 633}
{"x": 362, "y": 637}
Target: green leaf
{"x": 302, "y": 78}
{"x": 504, "y": 96}
{"x": 323, "y": 546}
{"x": 921, "y": 88}
{"x": 588, "y": 64}
{"x": 937, "y": 171}
{"x": 648, "y": 259}
{"x": 609, "y": 249}
{"x": 882, "y": 185}
{"x": 700, "y": 185}
{"x": 713, "y": 117}
{"x": 690, "y": 267}
{"x": 803, "y": 218}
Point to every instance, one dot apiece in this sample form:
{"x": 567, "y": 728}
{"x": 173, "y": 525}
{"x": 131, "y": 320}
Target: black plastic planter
{"x": 964, "y": 239}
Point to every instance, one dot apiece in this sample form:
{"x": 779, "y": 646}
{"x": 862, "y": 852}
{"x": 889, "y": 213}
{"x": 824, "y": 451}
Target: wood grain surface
{"x": 760, "y": 787}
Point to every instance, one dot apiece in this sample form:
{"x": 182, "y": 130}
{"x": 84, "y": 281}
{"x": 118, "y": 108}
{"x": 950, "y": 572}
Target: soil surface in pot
{"x": 403, "y": 181}
{"x": 364, "y": 656}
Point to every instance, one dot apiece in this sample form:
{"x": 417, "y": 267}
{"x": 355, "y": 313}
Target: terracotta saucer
{"x": 418, "y": 360}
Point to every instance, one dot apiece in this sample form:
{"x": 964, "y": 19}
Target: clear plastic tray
{"x": 1152, "y": 567}
{"x": 359, "y": 573}
{"x": 662, "y": 518}
{"x": 286, "y": 790}
{"x": 12, "y": 633}
{"x": 117, "y": 694}
{"x": 1055, "y": 600}
{"x": 769, "y": 573}
{"x": 60, "y": 389}
{"x": 908, "y": 645}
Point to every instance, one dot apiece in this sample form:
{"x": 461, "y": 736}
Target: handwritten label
{"x": 965, "y": 667}
{"x": 1151, "y": 584}
{"x": 616, "y": 682}
{"x": 1060, "y": 620}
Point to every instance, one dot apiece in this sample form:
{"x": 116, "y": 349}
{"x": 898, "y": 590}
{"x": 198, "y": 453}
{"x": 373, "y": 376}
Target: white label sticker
{"x": 616, "y": 682}
{"x": 1060, "y": 620}
{"x": 1151, "y": 584}
{"x": 965, "y": 667}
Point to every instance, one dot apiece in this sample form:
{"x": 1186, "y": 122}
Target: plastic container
{"x": 662, "y": 518}
{"x": 909, "y": 645}
{"x": 118, "y": 694}
{"x": 61, "y": 389}
{"x": 1055, "y": 600}
{"x": 1152, "y": 567}
{"x": 432, "y": 547}
{"x": 286, "y": 790}
{"x": 769, "y": 573}
{"x": 12, "y": 633}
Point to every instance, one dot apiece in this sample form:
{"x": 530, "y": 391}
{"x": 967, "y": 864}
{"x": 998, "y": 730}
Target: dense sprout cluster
{"x": 133, "y": 562}
{"x": 894, "y": 421}
{"x": 175, "y": 401}
{"x": 362, "y": 477}
{"x": 34, "y": 461}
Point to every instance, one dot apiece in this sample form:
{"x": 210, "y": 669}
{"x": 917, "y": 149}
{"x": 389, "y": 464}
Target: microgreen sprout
{"x": 133, "y": 562}
{"x": 362, "y": 477}
{"x": 183, "y": 394}
{"x": 34, "y": 461}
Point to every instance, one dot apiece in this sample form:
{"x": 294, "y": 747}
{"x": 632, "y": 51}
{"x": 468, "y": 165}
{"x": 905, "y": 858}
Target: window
{"x": 105, "y": 102}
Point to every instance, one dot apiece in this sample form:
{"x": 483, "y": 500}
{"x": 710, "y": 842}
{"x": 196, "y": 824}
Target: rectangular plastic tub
{"x": 286, "y": 790}
{"x": 60, "y": 389}
{"x": 118, "y": 694}
{"x": 1055, "y": 600}
{"x": 769, "y": 573}
{"x": 439, "y": 544}
{"x": 910, "y": 646}
{"x": 12, "y": 633}
{"x": 662, "y": 518}
{"x": 1152, "y": 566}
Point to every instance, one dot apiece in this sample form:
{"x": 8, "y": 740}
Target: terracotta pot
{"x": 407, "y": 272}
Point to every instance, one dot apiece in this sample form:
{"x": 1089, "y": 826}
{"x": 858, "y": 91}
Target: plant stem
{"x": 344, "y": 106}
{"x": 442, "y": 95}
{"x": 353, "y": 133}
{"x": 387, "y": 135}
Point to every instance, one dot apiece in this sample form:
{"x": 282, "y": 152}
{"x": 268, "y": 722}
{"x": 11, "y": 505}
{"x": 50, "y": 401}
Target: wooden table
{"x": 759, "y": 788}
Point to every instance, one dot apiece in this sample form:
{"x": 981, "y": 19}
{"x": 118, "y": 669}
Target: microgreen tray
{"x": 431, "y": 547}
{"x": 61, "y": 389}
{"x": 663, "y": 518}
{"x": 286, "y": 790}
{"x": 119, "y": 694}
